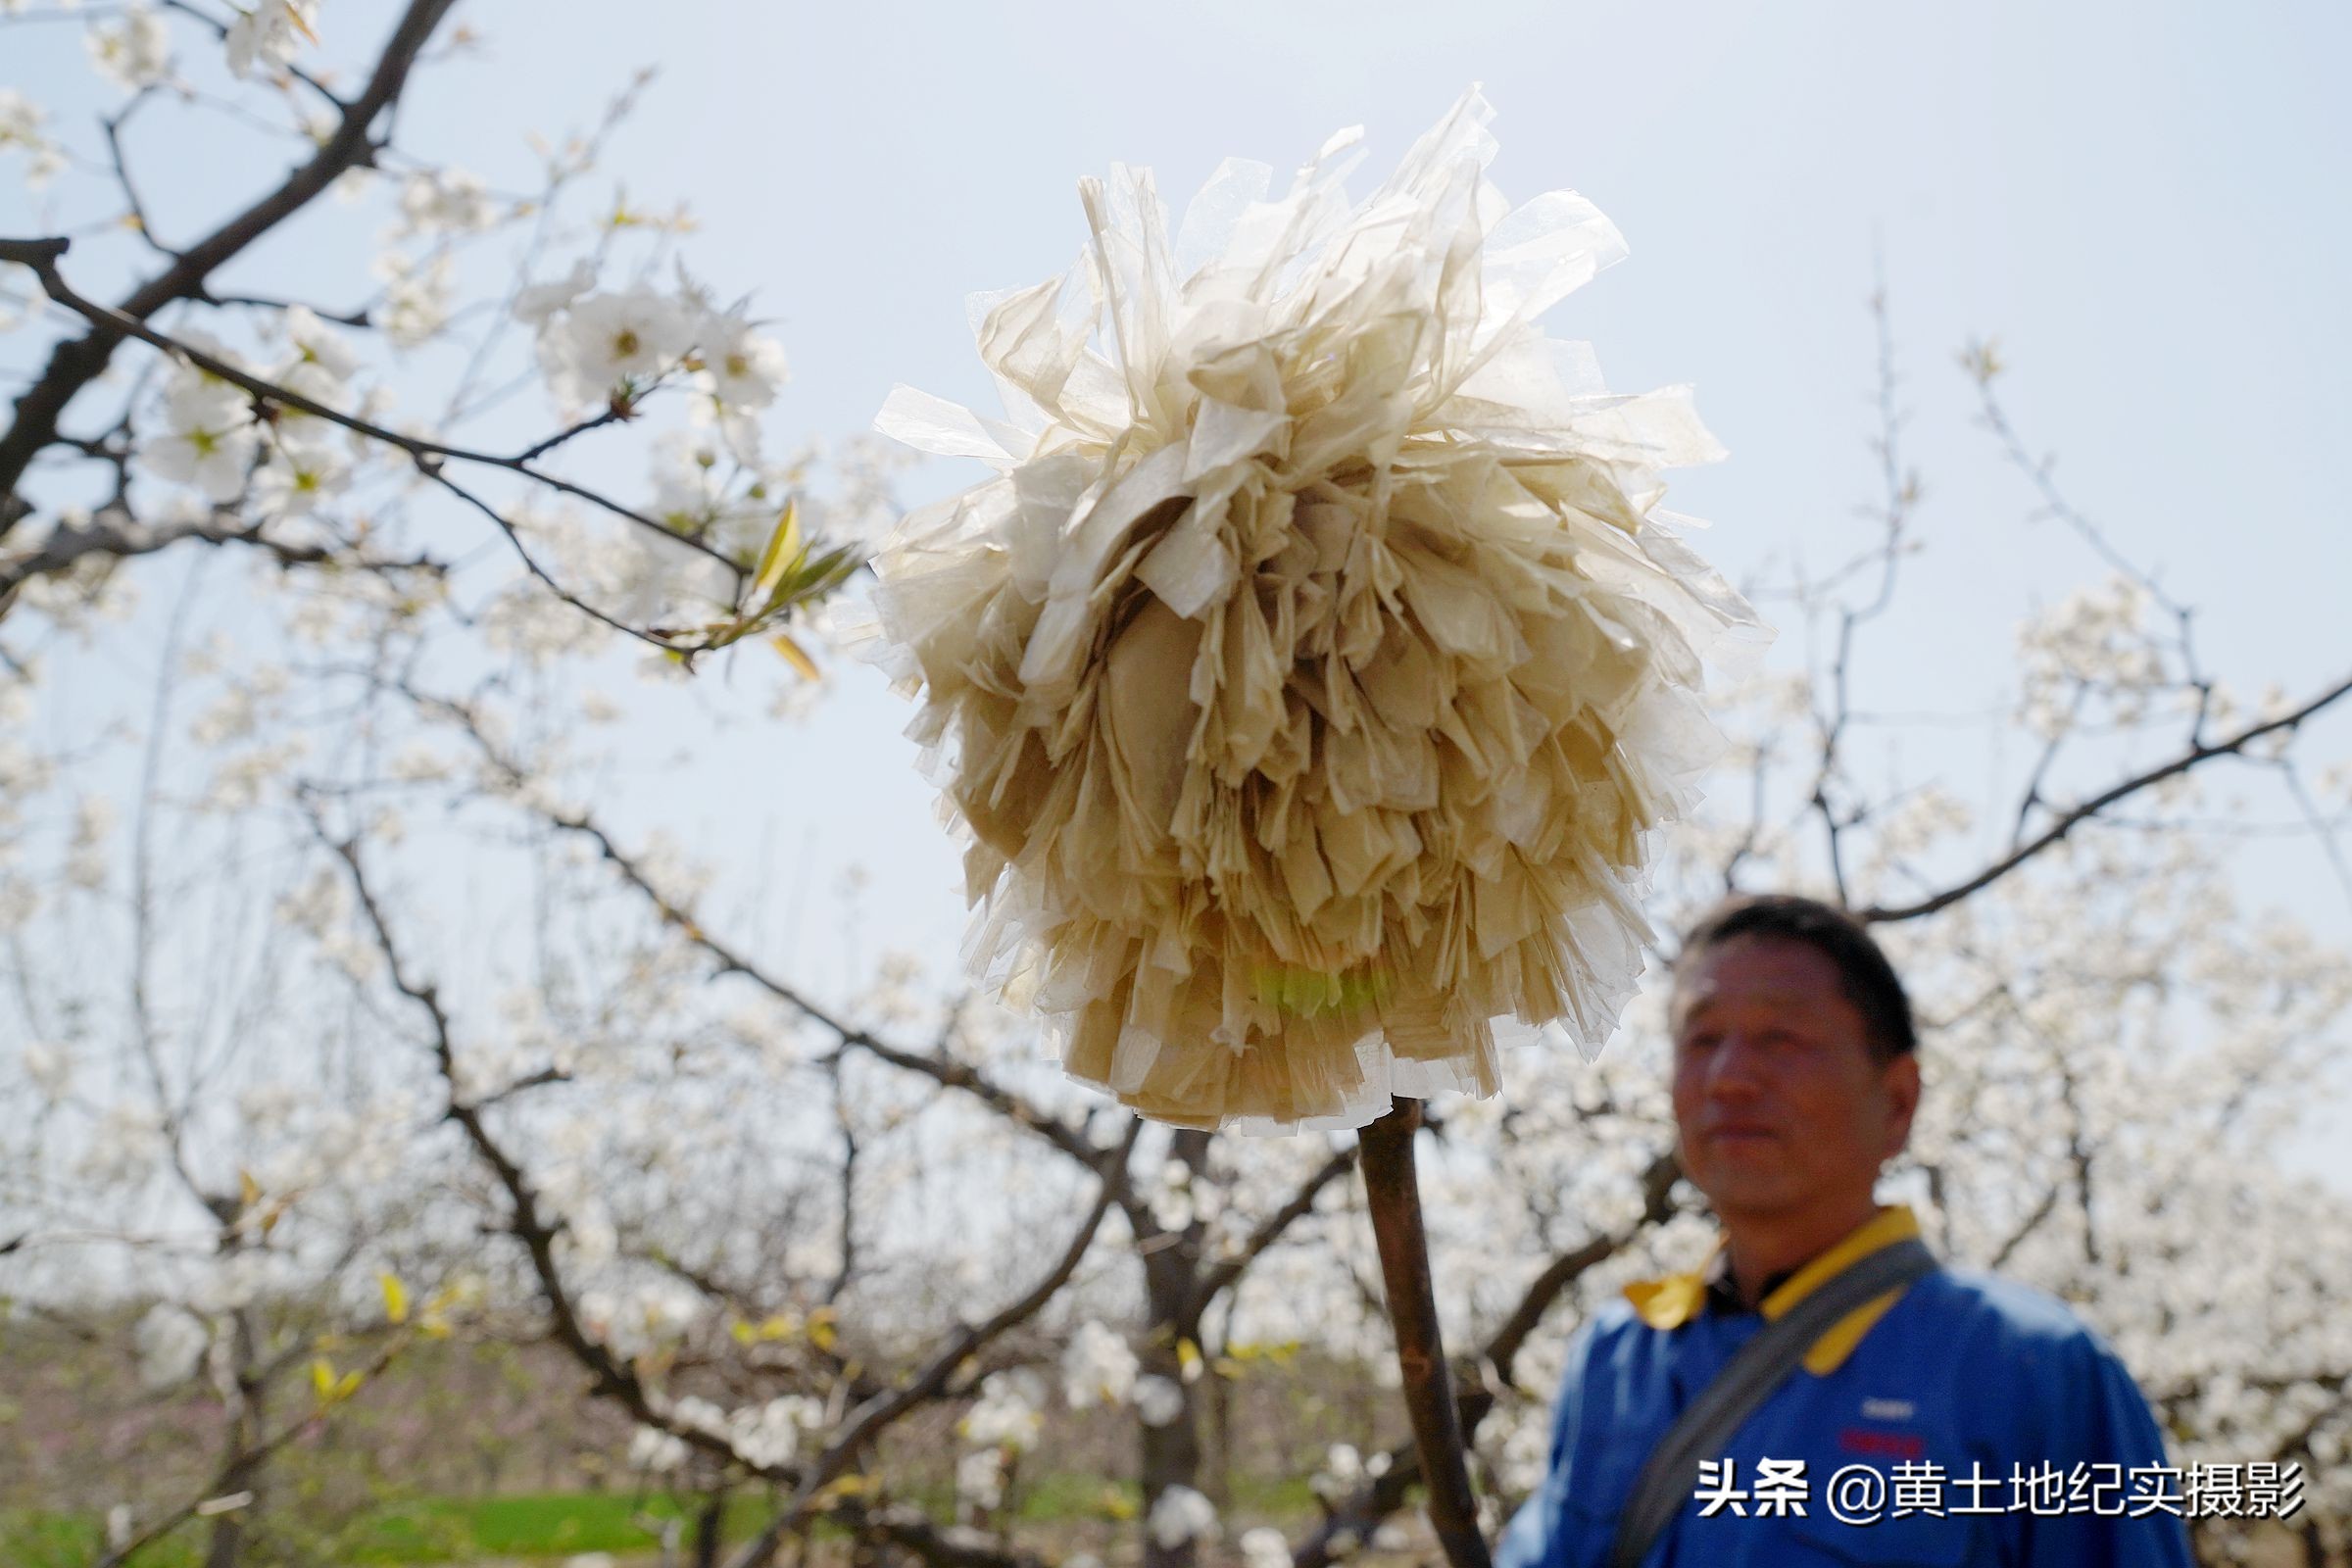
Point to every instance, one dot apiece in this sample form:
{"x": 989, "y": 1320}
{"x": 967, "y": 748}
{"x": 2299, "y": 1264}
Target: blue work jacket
{"x": 1956, "y": 1377}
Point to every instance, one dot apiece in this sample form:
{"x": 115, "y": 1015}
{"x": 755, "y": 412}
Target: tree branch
{"x": 75, "y": 363}
{"x": 929, "y": 1384}
{"x": 243, "y": 1463}
{"x": 2197, "y": 753}
{"x": 1269, "y": 1230}
{"x": 940, "y": 1068}
{"x": 112, "y": 533}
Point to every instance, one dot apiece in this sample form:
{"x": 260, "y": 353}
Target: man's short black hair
{"x": 1864, "y": 975}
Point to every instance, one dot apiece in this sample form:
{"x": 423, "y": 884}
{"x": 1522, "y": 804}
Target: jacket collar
{"x": 1670, "y": 1302}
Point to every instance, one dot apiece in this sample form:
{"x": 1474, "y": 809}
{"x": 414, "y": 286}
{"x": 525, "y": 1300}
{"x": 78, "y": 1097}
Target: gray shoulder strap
{"x": 1745, "y": 1382}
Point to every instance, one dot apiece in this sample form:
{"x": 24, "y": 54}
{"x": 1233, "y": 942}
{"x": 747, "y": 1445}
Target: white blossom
{"x": 1264, "y": 1547}
{"x": 766, "y": 1435}
{"x": 1158, "y": 1401}
{"x": 1182, "y": 1515}
{"x": 49, "y": 1067}
{"x": 417, "y": 298}
{"x": 209, "y": 441}
{"x": 297, "y": 479}
{"x": 740, "y": 367}
{"x": 2094, "y": 642}
{"x": 86, "y": 854}
{"x": 123, "y": 1147}
{"x": 606, "y": 339}
{"x": 699, "y": 1413}
{"x": 1098, "y": 1368}
{"x": 980, "y": 1479}
{"x": 445, "y": 201}
{"x": 1345, "y": 1468}
{"x": 266, "y": 37}
{"x": 134, "y": 52}
{"x": 171, "y": 1343}
{"x": 269, "y": 1106}
{"x": 536, "y": 303}
{"x": 655, "y": 1451}
{"x": 1171, "y": 1197}
{"x": 21, "y": 121}
{"x": 1007, "y": 1414}
{"x": 647, "y": 1317}
{"x": 316, "y": 345}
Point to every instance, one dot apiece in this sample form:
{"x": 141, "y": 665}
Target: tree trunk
{"x": 1216, "y": 1473}
{"x": 1171, "y": 1454}
{"x": 710, "y": 1530}
{"x": 240, "y": 1469}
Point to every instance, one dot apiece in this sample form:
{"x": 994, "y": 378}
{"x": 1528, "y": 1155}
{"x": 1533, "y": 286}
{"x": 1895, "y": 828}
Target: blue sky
{"x": 2142, "y": 202}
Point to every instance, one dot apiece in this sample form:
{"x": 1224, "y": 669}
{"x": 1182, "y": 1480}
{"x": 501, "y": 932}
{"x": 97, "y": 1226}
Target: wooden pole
{"x": 1394, "y": 1197}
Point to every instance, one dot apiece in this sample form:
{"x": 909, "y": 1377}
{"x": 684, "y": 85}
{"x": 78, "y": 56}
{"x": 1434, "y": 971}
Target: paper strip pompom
{"x": 1311, "y": 670}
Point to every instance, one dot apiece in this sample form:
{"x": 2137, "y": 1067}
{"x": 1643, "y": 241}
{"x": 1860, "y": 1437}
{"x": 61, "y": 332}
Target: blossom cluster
{"x": 597, "y": 344}
{"x": 212, "y": 432}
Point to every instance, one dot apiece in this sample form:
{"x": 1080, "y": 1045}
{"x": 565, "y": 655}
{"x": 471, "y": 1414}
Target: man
{"x": 1974, "y": 1421}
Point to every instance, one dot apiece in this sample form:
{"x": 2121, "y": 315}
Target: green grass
{"x": 34, "y": 1540}
{"x": 434, "y": 1530}
{"x": 457, "y": 1530}
{"x": 554, "y": 1525}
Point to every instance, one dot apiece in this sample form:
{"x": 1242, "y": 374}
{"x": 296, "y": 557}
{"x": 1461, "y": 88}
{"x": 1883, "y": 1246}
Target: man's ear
{"x": 1902, "y": 1101}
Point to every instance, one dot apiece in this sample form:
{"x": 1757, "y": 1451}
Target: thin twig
{"x": 2067, "y": 822}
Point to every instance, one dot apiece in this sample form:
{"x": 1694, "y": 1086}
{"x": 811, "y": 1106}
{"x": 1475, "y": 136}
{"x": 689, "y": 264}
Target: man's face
{"x": 1783, "y": 1108}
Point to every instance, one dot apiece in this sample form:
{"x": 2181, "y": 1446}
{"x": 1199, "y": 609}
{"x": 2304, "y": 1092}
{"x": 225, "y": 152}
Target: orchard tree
{"x": 347, "y": 1007}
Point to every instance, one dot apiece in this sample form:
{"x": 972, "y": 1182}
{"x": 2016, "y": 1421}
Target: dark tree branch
{"x": 243, "y": 1463}
{"x": 1901, "y": 496}
{"x": 113, "y": 534}
{"x": 620, "y": 1382}
{"x": 1270, "y": 1230}
{"x": 2088, "y": 810}
{"x": 75, "y": 363}
{"x": 429, "y": 456}
{"x": 1501, "y": 1350}
{"x": 357, "y": 319}
{"x": 932, "y": 1382}
{"x": 613, "y": 1378}
{"x": 42, "y": 257}
{"x": 935, "y": 1066}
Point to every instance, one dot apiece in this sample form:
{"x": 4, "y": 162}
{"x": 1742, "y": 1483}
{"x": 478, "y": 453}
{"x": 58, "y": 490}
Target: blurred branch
{"x": 1270, "y": 1230}
{"x": 932, "y": 1381}
{"x": 113, "y": 534}
{"x": 1984, "y": 363}
{"x": 358, "y": 319}
{"x": 1500, "y": 1354}
{"x": 1902, "y": 487}
{"x": 210, "y": 1501}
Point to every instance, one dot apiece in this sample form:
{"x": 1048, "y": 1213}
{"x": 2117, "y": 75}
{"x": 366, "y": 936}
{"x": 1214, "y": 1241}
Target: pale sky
{"x": 2142, "y": 202}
